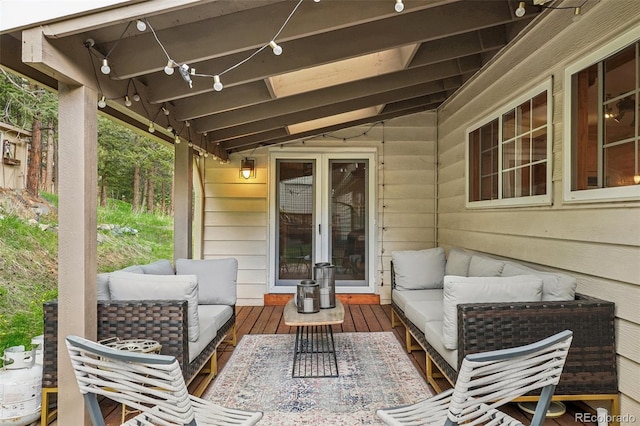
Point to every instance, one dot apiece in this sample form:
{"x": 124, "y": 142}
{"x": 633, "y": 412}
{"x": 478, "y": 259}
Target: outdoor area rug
{"x": 375, "y": 372}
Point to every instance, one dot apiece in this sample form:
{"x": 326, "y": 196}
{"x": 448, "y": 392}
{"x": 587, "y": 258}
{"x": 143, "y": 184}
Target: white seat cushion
{"x": 211, "y": 318}
{"x": 421, "y": 312}
{"x": 433, "y": 335}
{"x": 402, "y": 297}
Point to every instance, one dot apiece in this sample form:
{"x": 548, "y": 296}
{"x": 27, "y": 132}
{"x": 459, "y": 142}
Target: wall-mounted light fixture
{"x": 248, "y": 168}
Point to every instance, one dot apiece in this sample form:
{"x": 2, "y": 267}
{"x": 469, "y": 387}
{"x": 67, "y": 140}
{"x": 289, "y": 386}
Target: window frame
{"x": 619, "y": 193}
{"x": 522, "y": 201}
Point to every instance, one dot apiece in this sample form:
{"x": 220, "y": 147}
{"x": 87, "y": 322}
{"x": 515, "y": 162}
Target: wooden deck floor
{"x": 358, "y": 318}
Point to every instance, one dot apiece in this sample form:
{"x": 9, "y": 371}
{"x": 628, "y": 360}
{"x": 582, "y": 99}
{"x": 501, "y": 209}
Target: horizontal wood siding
{"x": 236, "y": 210}
{"x": 235, "y": 223}
{"x": 598, "y": 243}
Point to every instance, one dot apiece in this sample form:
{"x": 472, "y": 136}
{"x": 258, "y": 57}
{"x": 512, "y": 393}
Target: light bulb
{"x": 399, "y": 7}
{"x": 177, "y": 139}
{"x": 190, "y": 144}
{"x": 165, "y": 111}
{"x": 136, "y": 97}
{"x": 520, "y": 10}
{"x": 206, "y": 154}
{"x": 636, "y": 179}
{"x": 152, "y": 127}
{"x": 127, "y": 101}
{"x": 102, "y": 102}
{"x": 169, "y": 128}
{"x": 277, "y": 49}
{"x": 217, "y": 84}
{"x": 576, "y": 14}
{"x": 105, "y": 69}
{"x": 141, "y": 25}
{"x": 168, "y": 70}
{"x": 186, "y": 123}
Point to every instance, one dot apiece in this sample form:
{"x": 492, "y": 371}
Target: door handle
{"x": 319, "y": 229}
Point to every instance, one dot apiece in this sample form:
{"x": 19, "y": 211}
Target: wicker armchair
{"x": 164, "y": 321}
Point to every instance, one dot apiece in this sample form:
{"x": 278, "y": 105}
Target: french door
{"x": 322, "y": 211}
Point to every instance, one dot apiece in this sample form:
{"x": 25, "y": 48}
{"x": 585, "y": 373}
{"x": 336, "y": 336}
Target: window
{"x": 602, "y": 141}
{"x": 508, "y": 154}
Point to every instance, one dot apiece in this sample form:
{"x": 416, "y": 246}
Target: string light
{"x": 399, "y": 7}
{"x": 185, "y": 71}
{"x": 277, "y": 49}
{"x": 105, "y": 68}
{"x": 217, "y": 84}
{"x": 520, "y": 11}
{"x": 169, "y": 68}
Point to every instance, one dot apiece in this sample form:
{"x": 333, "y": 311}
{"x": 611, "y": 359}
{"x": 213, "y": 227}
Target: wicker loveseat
{"x": 590, "y": 372}
{"x": 167, "y": 321}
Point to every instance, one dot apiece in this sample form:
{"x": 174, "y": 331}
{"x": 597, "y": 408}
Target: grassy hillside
{"x": 29, "y": 249}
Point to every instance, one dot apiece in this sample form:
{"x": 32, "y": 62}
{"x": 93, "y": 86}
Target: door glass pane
{"x": 295, "y": 197}
{"x": 348, "y": 214}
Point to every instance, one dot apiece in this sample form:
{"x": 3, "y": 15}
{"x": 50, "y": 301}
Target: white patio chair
{"x": 150, "y": 383}
{"x": 489, "y": 380}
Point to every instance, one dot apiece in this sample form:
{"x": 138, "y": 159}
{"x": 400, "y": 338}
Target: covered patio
{"x": 396, "y": 86}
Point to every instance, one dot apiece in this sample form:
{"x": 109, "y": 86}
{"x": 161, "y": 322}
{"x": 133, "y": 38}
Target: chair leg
{"x": 233, "y": 340}
{"x": 91, "y": 400}
{"x": 543, "y": 405}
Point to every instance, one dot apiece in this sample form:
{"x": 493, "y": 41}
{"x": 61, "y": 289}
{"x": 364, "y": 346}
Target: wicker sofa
{"x": 590, "y": 372}
{"x": 168, "y": 320}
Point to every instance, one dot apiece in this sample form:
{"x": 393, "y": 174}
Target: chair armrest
{"x": 591, "y": 364}
{"x": 164, "y": 321}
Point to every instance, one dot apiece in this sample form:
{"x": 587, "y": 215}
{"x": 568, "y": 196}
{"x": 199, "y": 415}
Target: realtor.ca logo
{"x": 604, "y": 418}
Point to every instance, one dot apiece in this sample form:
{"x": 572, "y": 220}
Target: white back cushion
{"x": 419, "y": 269}
{"x": 217, "y": 279}
{"x": 555, "y": 287}
{"x": 457, "y": 290}
{"x": 481, "y": 266}
{"x": 457, "y": 263}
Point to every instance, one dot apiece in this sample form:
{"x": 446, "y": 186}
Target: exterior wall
{"x": 599, "y": 243}
{"x": 13, "y": 176}
{"x": 236, "y": 219}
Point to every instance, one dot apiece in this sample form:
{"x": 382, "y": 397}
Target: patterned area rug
{"x": 375, "y": 372}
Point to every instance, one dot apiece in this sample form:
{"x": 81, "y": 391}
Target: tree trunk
{"x": 145, "y": 187}
{"x": 151, "y": 191}
{"x": 103, "y": 192}
{"x": 135, "y": 201}
{"x": 35, "y": 158}
{"x": 48, "y": 184}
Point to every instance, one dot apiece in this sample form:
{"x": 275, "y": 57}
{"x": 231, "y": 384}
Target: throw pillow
{"x": 131, "y": 286}
{"x": 457, "y": 263}
{"x": 481, "y": 266}
{"x": 217, "y": 279}
{"x": 457, "y": 290}
{"x": 159, "y": 267}
{"x": 418, "y": 269}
